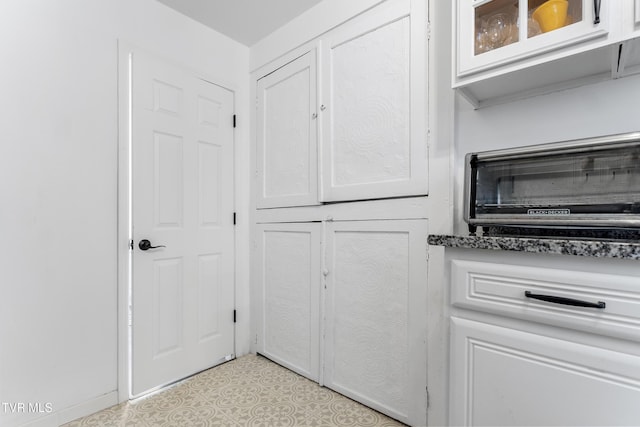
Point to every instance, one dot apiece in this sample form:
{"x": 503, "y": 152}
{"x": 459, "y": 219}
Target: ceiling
{"x": 246, "y": 21}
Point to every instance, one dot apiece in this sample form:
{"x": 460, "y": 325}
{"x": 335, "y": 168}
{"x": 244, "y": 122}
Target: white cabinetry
{"x": 368, "y": 298}
{"x": 287, "y": 135}
{"x": 373, "y": 143}
{"x": 372, "y": 112}
{"x": 340, "y": 288}
{"x": 287, "y": 266}
{"x": 505, "y": 376}
{"x": 503, "y": 50}
{"x": 516, "y": 360}
{"x": 497, "y": 32}
{"x": 375, "y": 334}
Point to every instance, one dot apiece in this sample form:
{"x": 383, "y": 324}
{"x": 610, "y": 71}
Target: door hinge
{"x": 234, "y": 120}
{"x": 234, "y": 218}
{"x": 234, "y": 316}
{"x": 427, "y": 397}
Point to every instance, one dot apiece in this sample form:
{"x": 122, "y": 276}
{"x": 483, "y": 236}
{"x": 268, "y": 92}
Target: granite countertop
{"x": 582, "y": 247}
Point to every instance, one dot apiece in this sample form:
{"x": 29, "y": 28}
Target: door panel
{"x": 168, "y": 179}
{"x": 506, "y": 377}
{"x": 287, "y": 158}
{"x": 371, "y": 144}
{"x": 183, "y": 292}
{"x": 209, "y": 174}
{"x": 289, "y": 272}
{"x": 168, "y": 295}
{"x": 208, "y": 297}
{"x": 371, "y": 126}
{"x": 374, "y": 340}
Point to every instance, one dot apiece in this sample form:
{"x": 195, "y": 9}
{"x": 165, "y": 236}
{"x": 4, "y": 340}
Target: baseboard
{"x": 57, "y": 418}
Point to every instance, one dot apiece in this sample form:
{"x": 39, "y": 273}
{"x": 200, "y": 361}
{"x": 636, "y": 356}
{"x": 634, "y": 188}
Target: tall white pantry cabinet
{"x": 340, "y": 255}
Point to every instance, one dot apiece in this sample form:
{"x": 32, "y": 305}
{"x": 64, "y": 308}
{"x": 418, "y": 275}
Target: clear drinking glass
{"x": 495, "y": 25}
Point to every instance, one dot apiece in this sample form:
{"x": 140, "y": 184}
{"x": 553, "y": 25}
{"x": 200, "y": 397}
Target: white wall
{"x": 600, "y": 109}
{"x": 58, "y": 181}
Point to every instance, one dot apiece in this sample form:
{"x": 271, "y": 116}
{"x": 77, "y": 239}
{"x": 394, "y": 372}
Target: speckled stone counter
{"x": 589, "y": 248}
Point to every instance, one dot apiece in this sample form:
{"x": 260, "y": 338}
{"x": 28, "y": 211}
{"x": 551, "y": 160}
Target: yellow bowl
{"x": 551, "y": 15}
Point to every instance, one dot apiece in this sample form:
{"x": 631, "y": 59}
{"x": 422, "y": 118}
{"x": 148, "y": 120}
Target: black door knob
{"x": 145, "y": 245}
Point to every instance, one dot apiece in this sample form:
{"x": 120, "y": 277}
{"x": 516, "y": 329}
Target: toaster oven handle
{"x": 565, "y": 301}
{"x": 471, "y": 187}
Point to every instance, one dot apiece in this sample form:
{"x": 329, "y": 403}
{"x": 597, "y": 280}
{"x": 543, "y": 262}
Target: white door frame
{"x": 124, "y": 220}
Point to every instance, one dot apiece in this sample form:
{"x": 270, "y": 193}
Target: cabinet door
{"x": 373, "y": 120}
{"x": 288, "y": 271}
{"x": 501, "y": 376}
{"x": 286, "y": 152}
{"x": 375, "y": 331}
{"x": 490, "y": 34}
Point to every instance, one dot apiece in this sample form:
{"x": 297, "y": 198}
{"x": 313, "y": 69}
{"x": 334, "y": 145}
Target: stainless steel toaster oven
{"x": 591, "y": 182}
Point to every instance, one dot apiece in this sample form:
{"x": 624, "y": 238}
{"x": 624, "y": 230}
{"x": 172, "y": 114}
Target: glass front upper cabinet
{"x": 492, "y": 33}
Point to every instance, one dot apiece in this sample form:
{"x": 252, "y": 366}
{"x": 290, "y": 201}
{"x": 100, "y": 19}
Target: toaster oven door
{"x": 599, "y": 187}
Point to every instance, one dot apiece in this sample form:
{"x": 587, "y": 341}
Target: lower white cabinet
{"x": 504, "y": 376}
{"x": 376, "y": 305}
{"x": 347, "y": 300}
{"x": 287, "y": 267}
{"x": 517, "y": 360}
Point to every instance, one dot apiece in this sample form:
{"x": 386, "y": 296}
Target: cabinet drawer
{"x": 500, "y": 289}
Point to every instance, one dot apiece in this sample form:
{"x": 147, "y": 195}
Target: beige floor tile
{"x": 248, "y": 391}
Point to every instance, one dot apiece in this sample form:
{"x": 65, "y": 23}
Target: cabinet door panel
{"x": 287, "y": 156}
{"x": 376, "y": 315}
{"x": 489, "y": 33}
{"x": 501, "y": 376}
{"x": 369, "y": 149}
{"x": 288, "y": 269}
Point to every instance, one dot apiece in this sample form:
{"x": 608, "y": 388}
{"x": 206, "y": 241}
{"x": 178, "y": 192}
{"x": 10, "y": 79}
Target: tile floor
{"x": 248, "y": 391}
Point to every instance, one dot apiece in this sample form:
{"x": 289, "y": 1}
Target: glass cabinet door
{"x": 496, "y": 32}
{"x": 496, "y": 25}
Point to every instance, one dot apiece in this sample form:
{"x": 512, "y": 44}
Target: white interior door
{"x": 182, "y": 198}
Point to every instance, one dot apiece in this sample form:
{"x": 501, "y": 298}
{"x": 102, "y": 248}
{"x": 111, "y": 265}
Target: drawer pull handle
{"x": 565, "y": 301}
